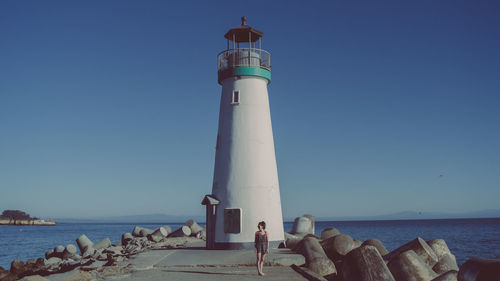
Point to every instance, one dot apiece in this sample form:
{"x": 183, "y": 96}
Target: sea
{"x": 466, "y": 238}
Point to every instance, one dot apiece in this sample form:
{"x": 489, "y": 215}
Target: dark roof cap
{"x": 241, "y": 32}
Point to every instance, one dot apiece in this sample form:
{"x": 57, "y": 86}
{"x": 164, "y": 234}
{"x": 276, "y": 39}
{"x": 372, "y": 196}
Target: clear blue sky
{"x": 111, "y": 107}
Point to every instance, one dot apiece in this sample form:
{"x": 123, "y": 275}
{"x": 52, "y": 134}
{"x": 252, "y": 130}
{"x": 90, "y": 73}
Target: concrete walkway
{"x": 195, "y": 263}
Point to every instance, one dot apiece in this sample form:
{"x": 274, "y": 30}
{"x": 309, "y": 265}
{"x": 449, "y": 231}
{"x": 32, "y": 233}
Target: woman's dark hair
{"x": 263, "y": 223}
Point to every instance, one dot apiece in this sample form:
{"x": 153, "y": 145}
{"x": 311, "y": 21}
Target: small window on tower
{"x": 236, "y": 97}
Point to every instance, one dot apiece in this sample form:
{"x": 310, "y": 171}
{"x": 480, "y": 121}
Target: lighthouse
{"x": 245, "y": 187}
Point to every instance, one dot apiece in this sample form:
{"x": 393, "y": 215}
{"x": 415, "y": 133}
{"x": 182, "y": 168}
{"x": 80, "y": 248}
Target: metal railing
{"x": 243, "y": 57}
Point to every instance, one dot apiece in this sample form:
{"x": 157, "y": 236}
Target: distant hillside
{"x": 412, "y": 215}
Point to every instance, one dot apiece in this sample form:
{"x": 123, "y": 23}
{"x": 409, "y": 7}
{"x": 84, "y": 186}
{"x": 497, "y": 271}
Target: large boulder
{"x": 477, "y": 269}
{"x": 84, "y": 243}
{"x": 313, "y": 222}
{"x": 126, "y": 238}
{"x": 302, "y": 225}
{"x": 408, "y": 266}
{"x": 69, "y": 251}
{"x": 183, "y": 231}
{"x": 377, "y": 244}
{"x": 17, "y": 267}
{"x": 420, "y": 247}
{"x": 104, "y": 243}
{"x": 58, "y": 251}
{"x": 316, "y": 259}
{"x": 195, "y": 228}
{"x": 338, "y": 246}
{"x": 446, "y": 263}
{"x": 329, "y": 232}
{"x": 447, "y": 276}
{"x": 439, "y": 247}
{"x": 365, "y": 264}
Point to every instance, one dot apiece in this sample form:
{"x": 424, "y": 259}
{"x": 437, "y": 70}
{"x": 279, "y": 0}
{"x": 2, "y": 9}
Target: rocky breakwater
{"x": 92, "y": 257}
{"x": 338, "y": 256}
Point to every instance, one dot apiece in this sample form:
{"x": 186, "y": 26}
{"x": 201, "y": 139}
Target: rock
{"x": 447, "y": 276}
{"x": 167, "y": 228}
{"x": 155, "y": 238}
{"x": 302, "y": 225}
{"x": 201, "y": 235}
{"x": 195, "y": 228}
{"x": 338, "y": 246}
{"x": 446, "y": 263}
{"x": 69, "y": 251}
{"x": 420, "y": 247}
{"x": 291, "y": 240}
{"x": 408, "y": 266}
{"x": 33, "y": 267}
{"x": 83, "y": 242}
{"x": 17, "y": 267}
{"x": 477, "y": 269}
{"x": 116, "y": 250}
{"x": 104, "y": 243}
{"x": 365, "y": 264}
{"x": 53, "y": 260}
{"x": 357, "y": 243}
{"x": 161, "y": 231}
{"x": 58, "y": 251}
{"x": 34, "y": 278}
{"x": 181, "y": 232}
{"x": 145, "y": 232}
{"x": 313, "y": 222}
{"x": 377, "y": 244}
{"x": 3, "y": 272}
{"x": 137, "y": 231}
{"x": 102, "y": 257}
{"x": 439, "y": 247}
{"x": 316, "y": 259}
{"x": 126, "y": 238}
{"x": 88, "y": 251}
{"x": 49, "y": 253}
{"x": 329, "y": 232}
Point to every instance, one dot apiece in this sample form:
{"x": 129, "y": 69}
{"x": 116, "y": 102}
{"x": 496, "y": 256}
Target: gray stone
{"x": 446, "y": 263}
{"x": 477, "y": 269}
{"x": 69, "y": 251}
{"x": 53, "y": 260}
{"x": 126, "y": 238}
{"x": 357, "y": 243}
{"x": 145, "y": 232}
{"x": 447, "y": 276}
{"x": 313, "y": 222}
{"x": 365, "y": 264}
{"x": 17, "y": 267}
{"x": 104, "y": 243}
{"x": 34, "y": 278}
{"x": 167, "y": 228}
{"x": 377, "y": 244}
{"x": 420, "y": 247}
{"x": 83, "y": 242}
{"x": 160, "y": 231}
{"x": 49, "y": 254}
{"x": 155, "y": 238}
{"x": 88, "y": 251}
{"x": 137, "y": 231}
{"x": 291, "y": 241}
{"x": 116, "y": 250}
{"x": 183, "y": 231}
{"x": 439, "y": 247}
{"x": 329, "y": 232}
{"x": 316, "y": 259}
{"x": 338, "y": 246}
{"x": 408, "y": 266}
{"x": 58, "y": 251}
{"x": 302, "y": 225}
{"x": 195, "y": 228}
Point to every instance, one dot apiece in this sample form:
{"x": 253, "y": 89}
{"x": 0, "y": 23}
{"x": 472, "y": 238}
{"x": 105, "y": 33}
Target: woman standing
{"x": 261, "y": 246}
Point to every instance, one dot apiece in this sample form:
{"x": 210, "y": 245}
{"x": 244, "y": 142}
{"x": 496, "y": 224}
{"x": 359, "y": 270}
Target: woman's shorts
{"x": 261, "y": 248}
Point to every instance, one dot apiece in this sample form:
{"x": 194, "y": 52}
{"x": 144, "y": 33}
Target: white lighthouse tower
{"x": 245, "y": 188}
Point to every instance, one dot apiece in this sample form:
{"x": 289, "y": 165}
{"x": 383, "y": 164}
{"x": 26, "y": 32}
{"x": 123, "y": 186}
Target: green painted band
{"x": 244, "y": 71}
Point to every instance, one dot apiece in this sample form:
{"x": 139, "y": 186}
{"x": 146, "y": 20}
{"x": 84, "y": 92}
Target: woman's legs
{"x": 258, "y": 263}
{"x": 263, "y": 255}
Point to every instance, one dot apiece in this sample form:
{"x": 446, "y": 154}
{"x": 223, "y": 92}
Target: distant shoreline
{"x": 28, "y": 222}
